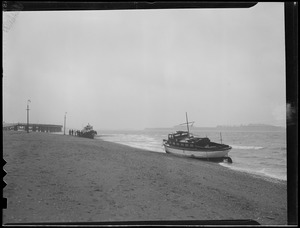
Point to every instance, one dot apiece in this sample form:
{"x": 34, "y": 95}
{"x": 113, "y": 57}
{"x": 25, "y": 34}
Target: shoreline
{"x": 60, "y": 178}
{"x": 257, "y": 175}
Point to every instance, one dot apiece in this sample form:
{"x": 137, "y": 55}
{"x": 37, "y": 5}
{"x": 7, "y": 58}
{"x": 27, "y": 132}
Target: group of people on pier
{"x": 75, "y": 132}
{"x": 87, "y": 132}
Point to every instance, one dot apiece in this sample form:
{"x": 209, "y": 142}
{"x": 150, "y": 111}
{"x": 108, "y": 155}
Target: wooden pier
{"x": 32, "y": 127}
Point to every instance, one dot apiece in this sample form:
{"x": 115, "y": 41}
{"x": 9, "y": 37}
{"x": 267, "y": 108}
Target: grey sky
{"x": 146, "y": 68}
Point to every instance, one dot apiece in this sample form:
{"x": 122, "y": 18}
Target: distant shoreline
{"x": 250, "y": 127}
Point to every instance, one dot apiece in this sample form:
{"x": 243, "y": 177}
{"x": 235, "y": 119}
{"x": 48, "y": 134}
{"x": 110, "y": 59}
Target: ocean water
{"x": 257, "y": 153}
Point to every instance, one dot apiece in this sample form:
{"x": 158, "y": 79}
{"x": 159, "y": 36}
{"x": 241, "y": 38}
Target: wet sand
{"x": 57, "y": 178}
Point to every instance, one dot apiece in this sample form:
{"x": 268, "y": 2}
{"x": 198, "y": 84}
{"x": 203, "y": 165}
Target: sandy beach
{"x": 57, "y": 178}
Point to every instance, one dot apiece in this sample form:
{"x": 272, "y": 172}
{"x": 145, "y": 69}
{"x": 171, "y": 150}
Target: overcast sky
{"x": 135, "y": 69}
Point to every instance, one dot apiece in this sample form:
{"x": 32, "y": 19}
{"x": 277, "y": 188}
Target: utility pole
{"x": 28, "y": 115}
{"x": 65, "y": 123}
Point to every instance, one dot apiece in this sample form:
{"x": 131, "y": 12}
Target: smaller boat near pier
{"x": 87, "y": 132}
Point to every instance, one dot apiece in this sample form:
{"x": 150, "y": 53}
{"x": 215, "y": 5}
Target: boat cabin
{"x": 184, "y": 139}
{"x": 178, "y": 135}
{"x": 88, "y": 128}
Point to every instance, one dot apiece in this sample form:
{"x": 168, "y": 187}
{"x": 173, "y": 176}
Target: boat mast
{"x": 221, "y": 137}
{"x": 187, "y": 123}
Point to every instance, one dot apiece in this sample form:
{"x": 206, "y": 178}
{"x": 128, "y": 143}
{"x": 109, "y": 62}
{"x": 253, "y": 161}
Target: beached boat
{"x": 185, "y": 143}
{"x": 88, "y": 132}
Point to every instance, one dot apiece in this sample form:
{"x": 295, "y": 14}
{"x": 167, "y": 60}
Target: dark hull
{"x": 90, "y": 134}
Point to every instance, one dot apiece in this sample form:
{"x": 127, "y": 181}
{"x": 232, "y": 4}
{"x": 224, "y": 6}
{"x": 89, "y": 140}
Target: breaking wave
{"x": 272, "y": 173}
{"x": 247, "y": 147}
